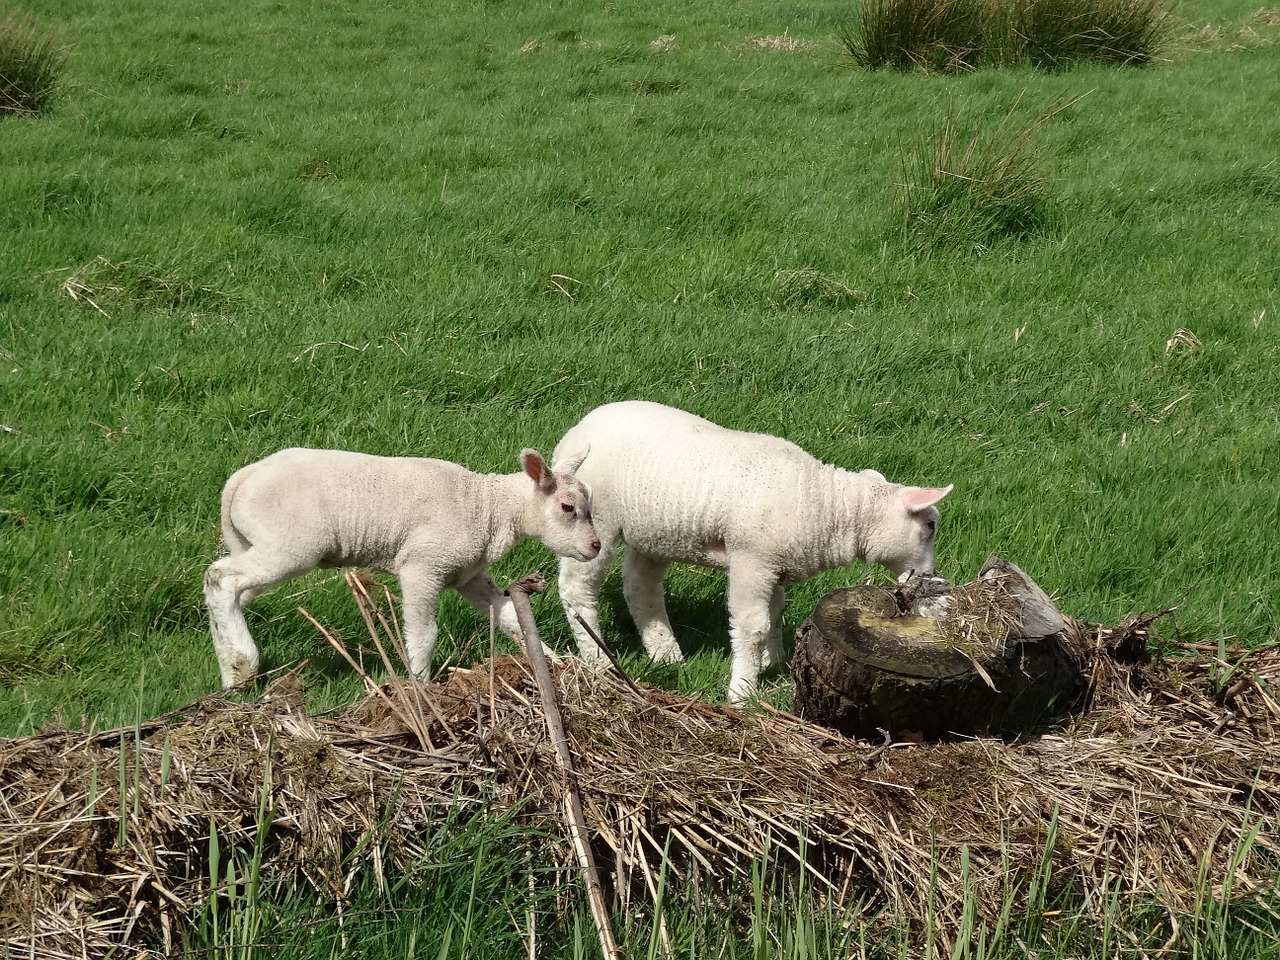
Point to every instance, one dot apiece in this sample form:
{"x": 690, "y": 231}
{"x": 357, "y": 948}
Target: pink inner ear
{"x": 534, "y": 466}
{"x": 921, "y": 498}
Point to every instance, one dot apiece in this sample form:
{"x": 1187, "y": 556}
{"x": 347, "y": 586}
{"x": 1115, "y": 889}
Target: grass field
{"x": 452, "y": 231}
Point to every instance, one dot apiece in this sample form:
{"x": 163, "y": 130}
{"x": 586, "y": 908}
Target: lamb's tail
{"x": 233, "y": 538}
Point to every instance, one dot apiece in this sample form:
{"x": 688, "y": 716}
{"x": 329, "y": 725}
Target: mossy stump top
{"x": 926, "y": 660}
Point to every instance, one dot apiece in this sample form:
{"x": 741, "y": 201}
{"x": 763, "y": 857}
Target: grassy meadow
{"x": 451, "y": 230}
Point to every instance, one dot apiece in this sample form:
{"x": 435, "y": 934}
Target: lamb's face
{"x": 905, "y": 530}
{"x": 567, "y": 527}
{"x": 569, "y": 530}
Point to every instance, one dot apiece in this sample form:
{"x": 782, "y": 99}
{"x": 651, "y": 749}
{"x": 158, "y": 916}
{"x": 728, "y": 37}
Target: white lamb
{"x": 676, "y": 487}
{"x": 432, "y": 523}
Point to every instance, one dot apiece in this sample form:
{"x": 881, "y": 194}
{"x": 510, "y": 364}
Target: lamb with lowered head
{"x": 675, "y": 487}
{"x": 432, "y": 523}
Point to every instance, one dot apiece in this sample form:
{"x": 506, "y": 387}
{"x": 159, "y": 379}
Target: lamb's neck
{"x": 849, "y": 496}
{"x": 512, "y": 515}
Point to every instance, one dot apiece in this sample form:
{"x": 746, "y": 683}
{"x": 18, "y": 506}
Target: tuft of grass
{"x": 965, "y": 195}
{"x": 951, "y": 36}
{"x": 31, "y": 62}
{"x": 140, "y": 284}
{"x": 1056, "y": 34}
{"x": 781, "y": 43}
{"x": 934, "y": 36}
{"x": 809, "y": 289}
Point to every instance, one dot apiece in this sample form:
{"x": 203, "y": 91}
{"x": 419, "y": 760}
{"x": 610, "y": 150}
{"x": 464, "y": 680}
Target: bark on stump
{"x": 928, "y": 660}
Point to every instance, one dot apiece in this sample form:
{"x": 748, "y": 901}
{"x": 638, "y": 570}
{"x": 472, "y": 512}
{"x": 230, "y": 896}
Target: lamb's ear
{"x": 537, "y": 469}
{"x": 570, "y": 465}
{"x": 916, "y": 499}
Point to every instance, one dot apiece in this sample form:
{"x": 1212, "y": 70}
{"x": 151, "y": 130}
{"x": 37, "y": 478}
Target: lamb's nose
{"x": 595, "y": 545}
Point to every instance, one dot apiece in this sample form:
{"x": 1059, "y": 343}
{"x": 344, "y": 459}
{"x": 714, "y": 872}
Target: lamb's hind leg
{"x": 773, "y": 652}
{"x": 229, "y": 584}
{"x": 642, "y": 586}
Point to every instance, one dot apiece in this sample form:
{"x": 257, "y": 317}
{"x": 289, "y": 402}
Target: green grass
{"x": 480, "y": 894}
{"x": 245, "y": 227}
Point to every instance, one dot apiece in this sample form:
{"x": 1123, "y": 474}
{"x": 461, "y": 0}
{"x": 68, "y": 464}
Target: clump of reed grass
{"x": 930, "y": 35}
{"x": 966, "y": 194}
{"x": 1059, "y": 33}
{"x": 950, "y": 36}
{"x": 31, "y": 63}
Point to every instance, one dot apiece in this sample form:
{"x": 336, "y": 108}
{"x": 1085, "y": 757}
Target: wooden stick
{"x": 519, "y": 594}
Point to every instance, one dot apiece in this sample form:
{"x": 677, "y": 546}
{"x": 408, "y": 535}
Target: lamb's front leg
{"x": 579, "y": 584}
{"x": 642, "y": 577}
{"x": 773, "y": 652}
{"x": 482, "y": 593}
{"x": 751, "y": 591}
{"x": 419, "y": 593}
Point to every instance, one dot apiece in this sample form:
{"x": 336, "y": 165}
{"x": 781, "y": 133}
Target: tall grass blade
{"x": 215, "y": 877}
{"x": 443, "y": 953}
{"x": 166, "y": 760}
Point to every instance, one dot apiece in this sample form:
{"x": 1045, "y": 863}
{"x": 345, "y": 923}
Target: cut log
{"x": 929, "y": 660}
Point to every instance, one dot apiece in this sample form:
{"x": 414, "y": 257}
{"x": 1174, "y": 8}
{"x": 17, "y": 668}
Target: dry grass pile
{"x": 107, "y": 285}
{"x": 1172, "y": 776}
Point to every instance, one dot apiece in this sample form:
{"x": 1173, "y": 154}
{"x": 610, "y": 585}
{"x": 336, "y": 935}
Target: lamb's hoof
{"x": 241, "y": 670}
{"x": 665, "y": 651}
{"x": 593, "y": 656}
{"x": 741, "y": 691}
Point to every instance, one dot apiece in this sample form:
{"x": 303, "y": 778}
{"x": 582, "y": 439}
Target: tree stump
{"x": 929, "y": 660}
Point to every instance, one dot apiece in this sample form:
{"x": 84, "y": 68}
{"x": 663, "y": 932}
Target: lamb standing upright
{"x": 432, "y": 523}
{"x": 674, "y": 486}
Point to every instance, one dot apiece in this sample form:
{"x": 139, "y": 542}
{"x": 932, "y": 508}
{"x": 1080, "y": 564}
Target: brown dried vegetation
{"x": 1170, "y": 770}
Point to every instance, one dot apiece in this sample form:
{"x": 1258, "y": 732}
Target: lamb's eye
{"x": 933, "y": 527}
{"x": 567, "y": 507}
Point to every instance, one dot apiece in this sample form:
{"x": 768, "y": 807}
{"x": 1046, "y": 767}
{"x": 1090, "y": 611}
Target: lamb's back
{"x": 357, "y": 508}
{"x": 679, "y": 486}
